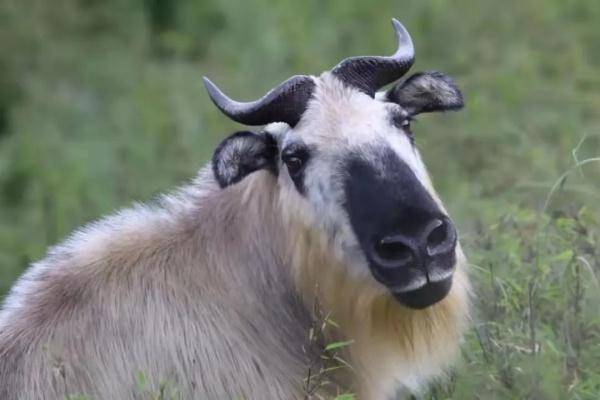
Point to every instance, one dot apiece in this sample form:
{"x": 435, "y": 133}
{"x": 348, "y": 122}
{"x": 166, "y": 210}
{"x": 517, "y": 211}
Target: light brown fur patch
{"x": 393, "y": 347}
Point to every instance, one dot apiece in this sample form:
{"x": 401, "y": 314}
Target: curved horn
{"x": 284, "y": 103}
{"x": 369, "y": 73}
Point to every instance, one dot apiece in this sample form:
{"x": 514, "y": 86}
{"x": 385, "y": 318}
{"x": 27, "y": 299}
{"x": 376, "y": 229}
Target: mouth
{"x": 419, "y": 285}
{"x": 425, "y": 295}
{"x": 416, "y": 268}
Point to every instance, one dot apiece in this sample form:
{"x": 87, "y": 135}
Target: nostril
{"x": 393, "y": 249}
{"x": 437, "y": 235}
{"x": 441, "y": 237}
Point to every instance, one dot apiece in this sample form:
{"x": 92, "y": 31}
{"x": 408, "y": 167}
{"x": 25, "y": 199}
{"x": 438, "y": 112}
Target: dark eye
{"x": 402, "y": 121}
{"x": 294, "y": 159}
{"x": 405, "y": 125}
{"x": 294, "y": 165}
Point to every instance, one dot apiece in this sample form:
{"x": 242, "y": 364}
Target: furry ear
{"x": 426, "y": 92}
{"x": 241, "y": 154}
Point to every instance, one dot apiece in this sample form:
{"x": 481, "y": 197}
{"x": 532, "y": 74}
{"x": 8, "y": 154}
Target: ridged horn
{"x": 370, "y": 73}
{"x": 284, "y": 103}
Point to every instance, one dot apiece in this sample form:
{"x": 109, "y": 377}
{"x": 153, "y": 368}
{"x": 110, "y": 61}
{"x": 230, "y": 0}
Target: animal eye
{"x": 294, "y": 159}
{"x": 406, "y": 127}
{"x": 405, "y": 124}
{"x": 294, "y": 165}
{"x": 402, "y": 121}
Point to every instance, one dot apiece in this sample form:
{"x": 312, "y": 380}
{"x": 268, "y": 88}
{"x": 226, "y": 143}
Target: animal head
{"x": 348, "y": 167}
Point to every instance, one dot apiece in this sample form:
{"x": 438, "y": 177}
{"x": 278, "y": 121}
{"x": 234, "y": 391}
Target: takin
{"x": 315, "y": 240}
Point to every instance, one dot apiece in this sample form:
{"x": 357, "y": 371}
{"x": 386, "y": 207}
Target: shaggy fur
{"x": 212, "y": 290}
{"x": 186, "y": 292}
{"x": 162, "y": 291}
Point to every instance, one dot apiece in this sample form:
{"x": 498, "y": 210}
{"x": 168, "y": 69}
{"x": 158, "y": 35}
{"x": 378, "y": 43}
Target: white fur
{"x": 340, "y": 120}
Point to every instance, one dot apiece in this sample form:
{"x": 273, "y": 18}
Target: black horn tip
{"x": 284, "y": 103}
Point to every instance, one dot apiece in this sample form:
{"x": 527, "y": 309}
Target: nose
{"x": 439, "y": 237}
{"x": 433, "y": 242}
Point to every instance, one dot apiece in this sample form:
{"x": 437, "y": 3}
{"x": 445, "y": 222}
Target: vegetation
{"x": 101, "y": 104}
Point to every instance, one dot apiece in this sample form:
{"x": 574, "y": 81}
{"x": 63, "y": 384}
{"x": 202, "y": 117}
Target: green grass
{"x": 101, "y": 104}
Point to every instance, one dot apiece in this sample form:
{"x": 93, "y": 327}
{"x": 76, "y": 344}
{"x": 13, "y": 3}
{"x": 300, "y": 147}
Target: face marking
{"x": 439, "y": 274}
{"x": 416, "y": 283}
{"x": 343, "y": 127}
{"x": 350, "y": 172}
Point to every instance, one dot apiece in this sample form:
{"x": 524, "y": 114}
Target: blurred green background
{"x": 102, "y": 104}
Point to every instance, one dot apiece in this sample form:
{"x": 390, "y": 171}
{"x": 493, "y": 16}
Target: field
{"x": 102, "y": 104}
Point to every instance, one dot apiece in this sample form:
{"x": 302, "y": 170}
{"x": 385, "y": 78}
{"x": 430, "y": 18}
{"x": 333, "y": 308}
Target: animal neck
{"x": 391, "y": 346}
